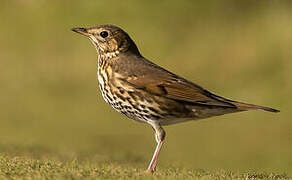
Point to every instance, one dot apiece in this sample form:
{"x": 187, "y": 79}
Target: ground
{"x": 23, "y": 167}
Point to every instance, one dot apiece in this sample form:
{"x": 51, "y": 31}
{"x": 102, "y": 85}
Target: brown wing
{"x": 176, "y": 88}
{"x": 143, "y": 74}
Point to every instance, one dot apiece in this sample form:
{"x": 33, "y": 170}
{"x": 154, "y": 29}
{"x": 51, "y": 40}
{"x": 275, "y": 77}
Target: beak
{"x": 82, "y": 31}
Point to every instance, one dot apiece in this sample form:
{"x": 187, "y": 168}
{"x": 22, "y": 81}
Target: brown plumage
{"x": 146, "y": 92}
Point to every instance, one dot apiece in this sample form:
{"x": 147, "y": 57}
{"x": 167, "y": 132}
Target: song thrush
{"x": 146, "y": 92}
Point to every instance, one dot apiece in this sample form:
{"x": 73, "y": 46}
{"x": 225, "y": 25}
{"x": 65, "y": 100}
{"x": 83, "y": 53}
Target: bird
{"x": 148, "y": 93}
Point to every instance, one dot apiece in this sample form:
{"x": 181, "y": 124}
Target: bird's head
{"x": 108, "y": 39}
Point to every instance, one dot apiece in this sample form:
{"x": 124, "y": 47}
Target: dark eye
{"x": 104, "y": 34}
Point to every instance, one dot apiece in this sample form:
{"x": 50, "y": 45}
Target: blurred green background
{"x": 50, "y": 105}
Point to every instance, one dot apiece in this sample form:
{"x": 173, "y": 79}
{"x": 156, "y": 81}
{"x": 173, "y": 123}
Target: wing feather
{"x": 176, "y": 88}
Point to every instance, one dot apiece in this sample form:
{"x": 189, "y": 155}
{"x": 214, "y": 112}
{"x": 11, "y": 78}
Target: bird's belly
{"x": 121, "y": 101}
{"x": 124, "y": 106}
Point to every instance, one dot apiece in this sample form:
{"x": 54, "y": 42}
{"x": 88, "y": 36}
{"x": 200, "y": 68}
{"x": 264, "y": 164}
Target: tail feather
{"x": 245, "y": 106}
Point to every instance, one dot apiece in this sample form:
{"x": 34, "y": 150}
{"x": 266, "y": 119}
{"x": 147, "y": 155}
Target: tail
{"x": 245, "y": 107}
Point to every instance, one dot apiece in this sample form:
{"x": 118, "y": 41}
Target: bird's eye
{"x": 104, "y": 34}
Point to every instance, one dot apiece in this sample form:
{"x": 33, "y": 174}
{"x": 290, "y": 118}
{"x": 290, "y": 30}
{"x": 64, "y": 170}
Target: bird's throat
{"x": 108, "y": 55}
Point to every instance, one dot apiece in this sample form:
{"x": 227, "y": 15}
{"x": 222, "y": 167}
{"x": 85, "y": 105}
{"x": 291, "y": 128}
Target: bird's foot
{"x": 149, "y": 171}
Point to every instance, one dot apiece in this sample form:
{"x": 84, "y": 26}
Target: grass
{"x": 31, "y": 168}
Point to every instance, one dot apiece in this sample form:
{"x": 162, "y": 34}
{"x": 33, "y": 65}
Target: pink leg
{"x": 152, "y": 166}
{"x": 159, "y": 135}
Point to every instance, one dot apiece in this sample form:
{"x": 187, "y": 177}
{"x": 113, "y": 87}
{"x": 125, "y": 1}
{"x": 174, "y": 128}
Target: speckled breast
{"x": 122, "y": 98}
